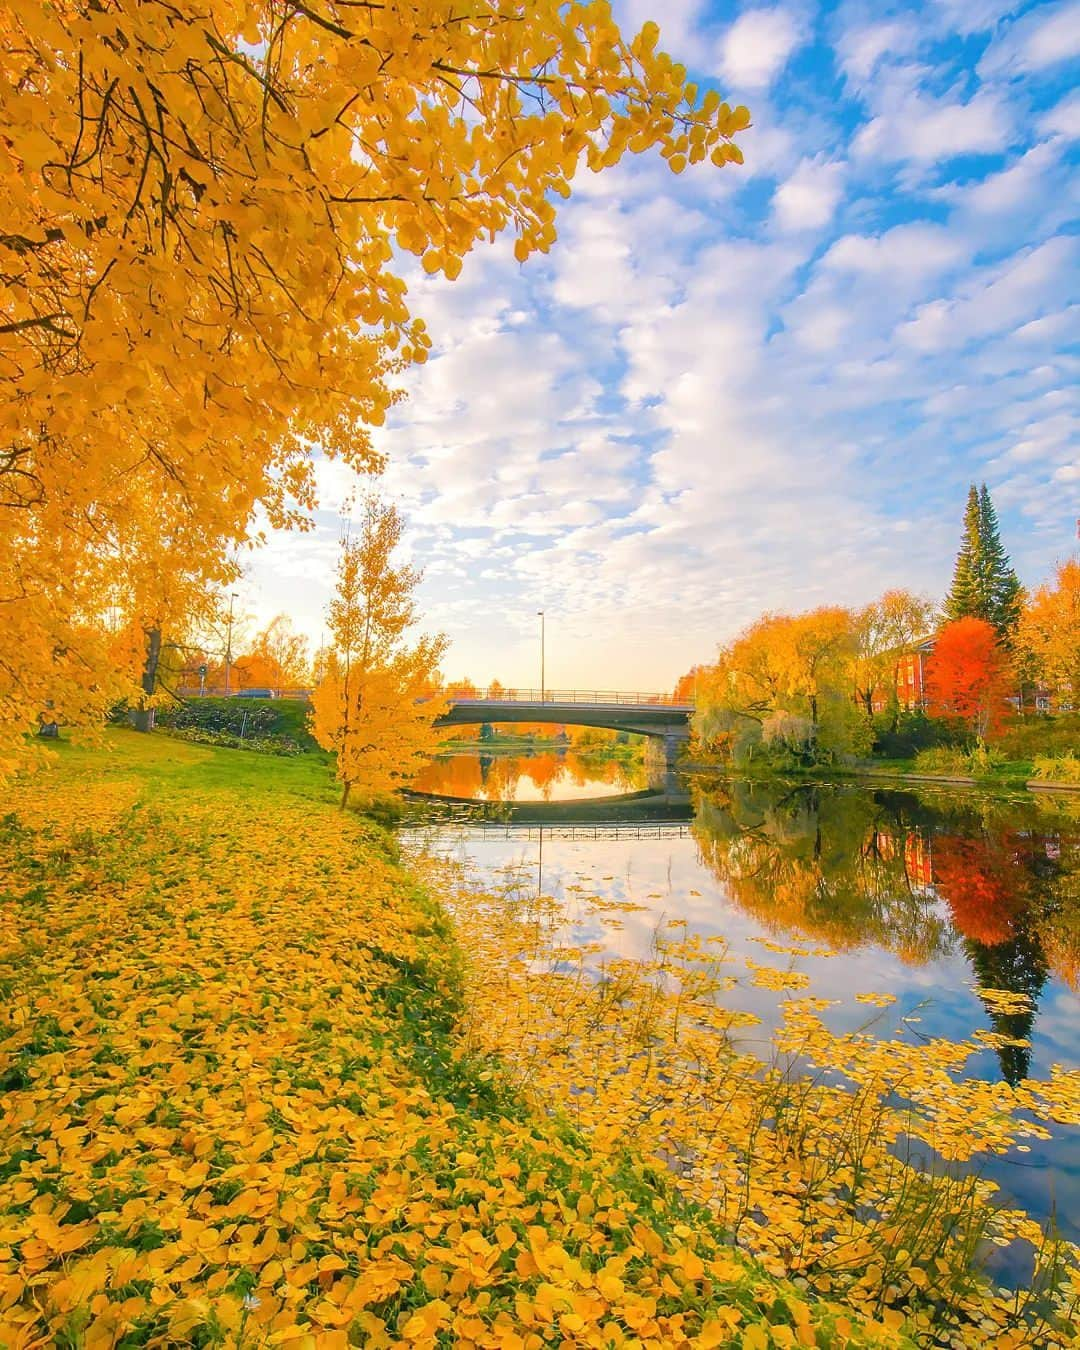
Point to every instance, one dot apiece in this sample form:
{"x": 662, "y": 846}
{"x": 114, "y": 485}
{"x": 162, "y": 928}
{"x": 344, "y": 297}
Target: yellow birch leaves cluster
{"x": 203, "y": 210}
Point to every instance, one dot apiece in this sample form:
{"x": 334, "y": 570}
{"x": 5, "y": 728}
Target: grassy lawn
{"x": 238, "y": 1110}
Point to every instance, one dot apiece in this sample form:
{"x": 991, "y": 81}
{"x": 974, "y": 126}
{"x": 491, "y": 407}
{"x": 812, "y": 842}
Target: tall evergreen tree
{"x": 984, "y": 585}
{"x": 1006, "y": 593}
{"x": 963, "y": 597}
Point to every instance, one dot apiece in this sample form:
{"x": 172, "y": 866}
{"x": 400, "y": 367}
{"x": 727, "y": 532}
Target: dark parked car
{"x": 255, "y": 693}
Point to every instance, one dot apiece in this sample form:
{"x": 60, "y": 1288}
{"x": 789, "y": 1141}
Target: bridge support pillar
{"x": 672, "y": 745}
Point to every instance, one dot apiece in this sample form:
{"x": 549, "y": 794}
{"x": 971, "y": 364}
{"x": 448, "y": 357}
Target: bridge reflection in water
{"x": 628, "y": 811}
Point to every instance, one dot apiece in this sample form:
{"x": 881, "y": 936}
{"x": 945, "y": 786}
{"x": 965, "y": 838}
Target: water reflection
{"x": 924, "y": 895}
{"x": 560, "y": 774}
{"x": 963, "y": 888}
{"x": 923, "y": 878}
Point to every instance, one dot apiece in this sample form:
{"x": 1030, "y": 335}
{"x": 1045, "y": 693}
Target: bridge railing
{"x": 618, "y": 697}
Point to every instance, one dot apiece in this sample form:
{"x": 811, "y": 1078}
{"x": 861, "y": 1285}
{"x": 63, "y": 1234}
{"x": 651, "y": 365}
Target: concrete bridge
{"x": 655, "y": 715}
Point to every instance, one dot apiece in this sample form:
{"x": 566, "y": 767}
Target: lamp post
{"x": 540, "y": 616}
{"x": 228, "y": 646}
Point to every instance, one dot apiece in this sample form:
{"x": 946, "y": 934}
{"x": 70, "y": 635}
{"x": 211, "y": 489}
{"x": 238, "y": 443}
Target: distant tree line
{"x": 900, "y": 673}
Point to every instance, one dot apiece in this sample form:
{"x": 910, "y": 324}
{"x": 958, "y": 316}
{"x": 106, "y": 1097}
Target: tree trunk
{"x": 143, "y": 719}
{"x": 344, "y": 796}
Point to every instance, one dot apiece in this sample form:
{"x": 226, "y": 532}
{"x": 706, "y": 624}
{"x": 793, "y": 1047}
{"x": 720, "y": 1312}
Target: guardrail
{"x": 619, "y": 697}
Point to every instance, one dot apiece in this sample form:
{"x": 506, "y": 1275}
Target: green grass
{"x": 182, "y": 767}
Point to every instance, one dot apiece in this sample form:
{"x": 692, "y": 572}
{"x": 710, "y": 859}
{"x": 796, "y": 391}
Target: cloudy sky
{"x": 752, "y": 388}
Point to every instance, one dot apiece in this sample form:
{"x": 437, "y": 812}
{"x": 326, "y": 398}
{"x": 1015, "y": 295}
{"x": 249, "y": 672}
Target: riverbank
{"x": 241, "y": 1106}
{"x": 888, "y": 772}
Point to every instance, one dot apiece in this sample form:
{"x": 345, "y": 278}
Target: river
{"x": 925, "y": 894}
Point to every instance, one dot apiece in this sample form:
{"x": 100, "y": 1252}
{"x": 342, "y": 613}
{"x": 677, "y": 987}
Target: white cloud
{"x": 923, "y": 129}
{"x": 1064, "y": 118}
{"x": 1051, "y": 326}
{"x": 770, "y": 149}
{"x": 1004, "y": 296}
{"x": 973, "y": 16}
{"x": 861, "y": 49}
{"x": 757, "y": 47}
{"x": 595, "y": 267}
{"x": 1045, "y": 37}
{"x": 1019, "y": 186}
{"x": 677, "y": 20}
{"x": 918, "y": 249}
{"x": 808, "y": 199}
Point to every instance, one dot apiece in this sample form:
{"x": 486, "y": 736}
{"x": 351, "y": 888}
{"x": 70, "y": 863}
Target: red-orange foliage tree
{"x": 966, "y": 675}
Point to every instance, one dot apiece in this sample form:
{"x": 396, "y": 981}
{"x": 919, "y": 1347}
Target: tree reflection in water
{"x": 536, "y": 775}
{"x": 921, "y": 875}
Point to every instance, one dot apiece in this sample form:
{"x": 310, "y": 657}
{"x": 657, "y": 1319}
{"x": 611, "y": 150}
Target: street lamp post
{"x": 540, "y": 616}
{"x": 228, "y": 647}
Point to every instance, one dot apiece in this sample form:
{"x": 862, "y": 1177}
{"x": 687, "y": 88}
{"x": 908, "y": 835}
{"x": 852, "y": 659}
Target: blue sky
{"x": 753, "y": 388}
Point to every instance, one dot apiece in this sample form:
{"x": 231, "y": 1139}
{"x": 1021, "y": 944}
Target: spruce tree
{"x": 1006, "y": 594}
{"x": 964, "y": 597}
{"x": 984, "y": 586}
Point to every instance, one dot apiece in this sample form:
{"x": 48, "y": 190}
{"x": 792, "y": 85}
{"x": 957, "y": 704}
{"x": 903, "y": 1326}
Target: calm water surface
{"x": 540, "y": 776}
{"x": 924, "y": 895}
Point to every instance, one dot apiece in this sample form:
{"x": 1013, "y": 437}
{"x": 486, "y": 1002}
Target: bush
{"x": 281, "y": 720}
{"x": 1058, "y": 768}
{"x": 943, "y": 759}
{"x": 265, "y": 745}
{"x": 985, "y": 759}
{"x": 1041, "y": 735}
{"x": 902, "y": 735}
{"x": 978, "y": 762}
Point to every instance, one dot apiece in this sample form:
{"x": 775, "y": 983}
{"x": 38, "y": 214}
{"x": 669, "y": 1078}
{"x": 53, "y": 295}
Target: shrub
{"x": 904, "y": 734}
{"x": 259, "y": 719}
{"x": 1041, "y": 735}
{"x": 1058, "y": 768}
{"x": 984, "y": 759}
{"x": 977, "y": 762}
{"x": 942, "y": 759}
{"x": 265, "y": 745}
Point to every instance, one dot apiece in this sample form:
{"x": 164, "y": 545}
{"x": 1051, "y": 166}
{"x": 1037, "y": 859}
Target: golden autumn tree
{"x": 887, "y": 630}
{"x": 278, "y": 658}
{"x": 786, "y": 680}
{"x": 1049, "y": 632}
{"x": 373, "y": 707}
{"x": 204, "y": 208}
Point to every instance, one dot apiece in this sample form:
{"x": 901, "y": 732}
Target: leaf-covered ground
{"x": 238, "y": 1108}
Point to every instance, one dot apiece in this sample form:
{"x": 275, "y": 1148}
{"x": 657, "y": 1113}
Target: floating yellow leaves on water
{"x": 838, "y": 1159}
{"x": 1003, "y": 1001}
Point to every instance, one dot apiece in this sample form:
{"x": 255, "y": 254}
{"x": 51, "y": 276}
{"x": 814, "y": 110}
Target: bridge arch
{"x": 665, "y": 721}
